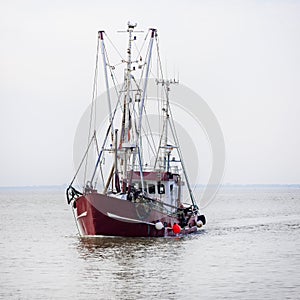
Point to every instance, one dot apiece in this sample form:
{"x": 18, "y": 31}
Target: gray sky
{"x": 242, "y": 57}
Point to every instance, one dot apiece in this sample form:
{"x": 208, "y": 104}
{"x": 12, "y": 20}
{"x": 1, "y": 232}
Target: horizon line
{"x": 64, "y": 186}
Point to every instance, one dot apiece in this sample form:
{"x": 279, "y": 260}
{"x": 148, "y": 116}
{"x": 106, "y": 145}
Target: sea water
{"x": 249, "y": 249}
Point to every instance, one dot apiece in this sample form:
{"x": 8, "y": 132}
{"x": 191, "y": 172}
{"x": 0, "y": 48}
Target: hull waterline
{"x": 101, "y": 215}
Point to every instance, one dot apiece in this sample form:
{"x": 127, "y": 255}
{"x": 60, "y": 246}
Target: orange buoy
{"x": 176, "y": 228}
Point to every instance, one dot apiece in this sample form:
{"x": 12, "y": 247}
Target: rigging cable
{"x": 112, "y": 72}
{"x": 82, "y": 160}
{"x": 103, "y": 145}
{"x": 147, "y": 123}
{"x": 103, "y": 51}
{"x": 116, "y": 49}
{"x": 97, "y": 149}
{"x": 94, "y": 94}
{"x": 150, "y": 131}
{"x": 144, "y": 42}
{"x": 145, "y": 64}
{"x": 173, "y": 129}
{"x": 148, "y": 70}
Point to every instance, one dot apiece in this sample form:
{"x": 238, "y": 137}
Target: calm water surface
{"x": 250, "y": 249}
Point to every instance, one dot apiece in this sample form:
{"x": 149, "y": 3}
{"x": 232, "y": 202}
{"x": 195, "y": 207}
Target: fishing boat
{"x": 138, "y": 185}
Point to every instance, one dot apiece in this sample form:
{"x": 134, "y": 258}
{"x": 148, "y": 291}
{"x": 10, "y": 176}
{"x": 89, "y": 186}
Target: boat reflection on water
{"x": 120, "y": 249}
{"x": 124, "y": 247}
{"x": 134, "y": 268}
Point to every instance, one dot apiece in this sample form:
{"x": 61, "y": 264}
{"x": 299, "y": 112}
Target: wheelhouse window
{"x": 161, "y": 188}
{"x": 151, "y": 188}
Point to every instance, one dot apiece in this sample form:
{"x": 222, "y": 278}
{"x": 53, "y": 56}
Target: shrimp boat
{"x": 138, "y": 185}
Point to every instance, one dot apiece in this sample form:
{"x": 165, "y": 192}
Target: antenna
{"x": 131, "y": 27}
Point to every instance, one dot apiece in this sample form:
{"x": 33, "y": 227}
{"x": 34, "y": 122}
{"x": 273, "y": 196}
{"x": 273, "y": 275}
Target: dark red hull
{"x": 99, "y": 214}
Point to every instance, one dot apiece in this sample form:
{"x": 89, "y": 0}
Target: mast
{"x": 163, "y": 144}
{"x": 110, "y": 128}
{"x": 138, "y": 141}
{"x": 128, "y": 80}
{"x": 153, "y": 35}
{"x": 126, "y": 117}
{"x": 100, "y": 36}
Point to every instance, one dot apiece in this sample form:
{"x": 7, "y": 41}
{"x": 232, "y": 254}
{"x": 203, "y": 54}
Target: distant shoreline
{"x": 64, "y": 186}
{"x": 34, "y": 187}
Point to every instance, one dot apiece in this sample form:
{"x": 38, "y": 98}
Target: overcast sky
{"x": 242, "y": 57}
